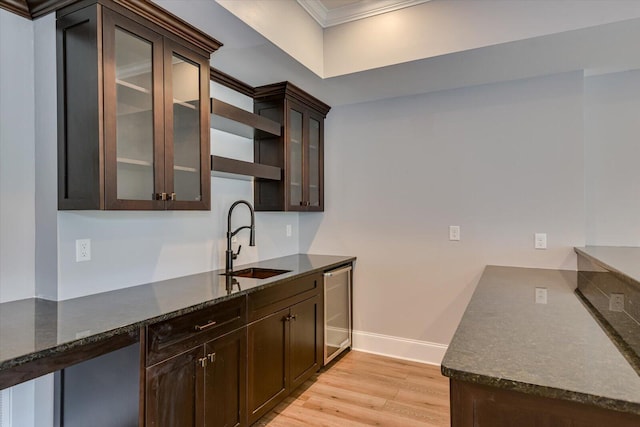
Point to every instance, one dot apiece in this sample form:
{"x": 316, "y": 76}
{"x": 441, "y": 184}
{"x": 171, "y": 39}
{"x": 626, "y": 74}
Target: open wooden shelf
{"x": 222, "y": 166}
{"x": 229, "y": 118}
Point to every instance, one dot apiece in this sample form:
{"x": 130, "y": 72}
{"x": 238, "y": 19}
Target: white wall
{"x": 286, "y": 24}
{"x": 17, "y": 168}
{"x": 502, "y": 161}
{"x": 612, "y": 151}
{"x": 46, "y": 153}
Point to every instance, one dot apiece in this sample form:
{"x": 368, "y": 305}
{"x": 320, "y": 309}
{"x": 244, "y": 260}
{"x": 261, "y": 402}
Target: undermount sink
{"x": 256, "y": 273}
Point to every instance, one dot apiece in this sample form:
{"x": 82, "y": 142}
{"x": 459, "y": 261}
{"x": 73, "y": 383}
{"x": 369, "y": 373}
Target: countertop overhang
{"x": 556, "y": 350}
{"x": 39, "y": 336}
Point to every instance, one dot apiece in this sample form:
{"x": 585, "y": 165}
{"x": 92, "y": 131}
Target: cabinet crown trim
{"x": 143, "y": 8}
{"x": 290, "y": 90}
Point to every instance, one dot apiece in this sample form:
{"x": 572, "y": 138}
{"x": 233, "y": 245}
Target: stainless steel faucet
{"x": 230, "y": 256}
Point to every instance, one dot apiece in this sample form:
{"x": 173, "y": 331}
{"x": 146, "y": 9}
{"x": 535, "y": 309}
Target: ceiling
{"x": 329, "y": 13}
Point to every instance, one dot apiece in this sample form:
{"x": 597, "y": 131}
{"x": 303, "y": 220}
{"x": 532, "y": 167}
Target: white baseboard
{"x": 399, "y": 348}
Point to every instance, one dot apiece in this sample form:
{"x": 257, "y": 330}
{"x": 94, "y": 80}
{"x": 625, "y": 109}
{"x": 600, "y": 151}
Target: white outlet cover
{"x": 540, "y": 241}
{"x": 541, "y": 295}
{"x": 454, "y": 233}
{"x": 83, "y": 250}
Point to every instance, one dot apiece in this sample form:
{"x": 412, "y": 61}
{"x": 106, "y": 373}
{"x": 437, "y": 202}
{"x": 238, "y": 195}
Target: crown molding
{"x": 352, "y": 12}
{"x": 316, "y": 10}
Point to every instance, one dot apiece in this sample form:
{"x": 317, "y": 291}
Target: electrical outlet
{"x": 541, "y": 295}
{"x": 288, "y": 230}
{"x": 454, "y": 232}
{"x": 83, "y": 250}
{"x": 616, "y": 302}
{"x": 540, "y": 241}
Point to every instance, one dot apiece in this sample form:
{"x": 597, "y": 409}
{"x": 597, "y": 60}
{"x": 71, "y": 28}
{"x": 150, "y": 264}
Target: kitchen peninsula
{"x": 515, "y": 361}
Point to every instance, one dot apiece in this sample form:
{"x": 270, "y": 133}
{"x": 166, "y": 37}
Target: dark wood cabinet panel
{"x": 474, "y": 405}
{"x": 282, "y": 296}
{"x": 174, "y": 391}
{"x": 133, "y": 113}
{"x": 173, "y": 336}
{"x": 285, "y": 349}
{"x": 299, "y": 151}
{"x": 204, "y": 386}
{"x": 268, "y": 363}
{"x": 305, "y": 341}
{"x": 226, "y": 381}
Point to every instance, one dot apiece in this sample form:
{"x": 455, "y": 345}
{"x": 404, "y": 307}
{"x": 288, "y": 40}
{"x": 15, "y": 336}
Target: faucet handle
{"x": 237, "y": 253}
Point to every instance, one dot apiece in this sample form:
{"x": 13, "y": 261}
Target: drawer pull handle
{"x": 207, "y": 326}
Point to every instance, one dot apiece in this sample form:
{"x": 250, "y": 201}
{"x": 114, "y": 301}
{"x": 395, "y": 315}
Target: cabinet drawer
{"x": 265, "y": 302}
{"x": 173, "y": 336}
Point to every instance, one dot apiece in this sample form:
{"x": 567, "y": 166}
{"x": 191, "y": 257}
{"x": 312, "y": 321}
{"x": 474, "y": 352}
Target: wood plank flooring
{"x": 362, "y": 389}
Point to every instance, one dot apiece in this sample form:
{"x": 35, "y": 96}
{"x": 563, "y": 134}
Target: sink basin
{"x": 256, "y": 273}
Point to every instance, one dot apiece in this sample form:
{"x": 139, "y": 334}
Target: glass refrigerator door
{"x": 337, "y": 312}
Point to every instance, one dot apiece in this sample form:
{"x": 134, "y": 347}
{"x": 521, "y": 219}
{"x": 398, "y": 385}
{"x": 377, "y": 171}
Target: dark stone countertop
{"x": 33, "y": 329}
{"x": 555, "y": 350}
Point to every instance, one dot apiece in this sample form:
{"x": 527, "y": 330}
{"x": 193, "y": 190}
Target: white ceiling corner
{"x": 328, "y": 17}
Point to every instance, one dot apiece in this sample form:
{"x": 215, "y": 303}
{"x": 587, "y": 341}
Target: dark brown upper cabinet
{"x": 133, "y": 108}
{"x": 298, "y": 151}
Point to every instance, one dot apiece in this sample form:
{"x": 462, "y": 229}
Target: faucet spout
{"x": 230, "y": 256}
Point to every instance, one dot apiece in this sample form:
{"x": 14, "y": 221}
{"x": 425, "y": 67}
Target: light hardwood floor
{"x": 363, "y": 389}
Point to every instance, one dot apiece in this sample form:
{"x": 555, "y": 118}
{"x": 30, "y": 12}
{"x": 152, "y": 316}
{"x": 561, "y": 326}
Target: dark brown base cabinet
{"x": 228, "y": 365}
{"x": 196, "y": 368}
{"x": 474, "y": 405}
{"x": 205, "y": 386}
{"x": 285, "y": 346}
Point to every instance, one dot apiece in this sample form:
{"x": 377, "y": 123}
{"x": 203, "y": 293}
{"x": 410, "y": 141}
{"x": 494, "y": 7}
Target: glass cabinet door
{"x": 314, "y": 169}
{"x": 186, "y": 92}
{"x": 296, "y": 160}
{"x": 133, "y": 115}
{"x": 186, "y": 129}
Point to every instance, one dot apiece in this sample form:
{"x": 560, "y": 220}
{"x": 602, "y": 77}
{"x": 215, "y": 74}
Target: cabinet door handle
{"x": 160, "y": 196}
{"x": 212, "y": 357}
{"x": 172, "y": 196}
{"x": 207, "y": 326}
{"x": 203, "y": 361}
{"x": 293, "y": 317}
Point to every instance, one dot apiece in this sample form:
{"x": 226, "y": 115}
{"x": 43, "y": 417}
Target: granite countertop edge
{"x": 542, "y": 391}
{"x": 135, "y": 327}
